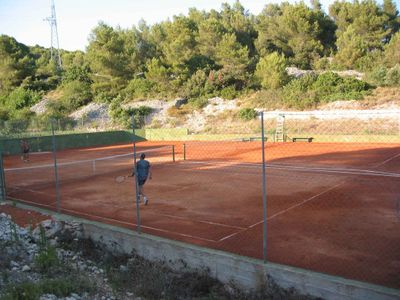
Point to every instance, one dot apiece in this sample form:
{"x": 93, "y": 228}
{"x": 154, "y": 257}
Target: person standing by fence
{"x": 24, "y": 150}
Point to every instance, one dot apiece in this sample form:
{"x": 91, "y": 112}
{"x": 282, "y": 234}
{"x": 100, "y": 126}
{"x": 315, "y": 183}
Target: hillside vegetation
{"x": 228, "y": 53}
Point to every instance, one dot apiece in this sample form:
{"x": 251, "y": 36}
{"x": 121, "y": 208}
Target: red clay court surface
{"x": 331, "y": 207}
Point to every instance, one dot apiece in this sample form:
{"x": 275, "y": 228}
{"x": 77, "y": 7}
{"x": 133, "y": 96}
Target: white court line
{"x": 198, "y": 221}
{"x": 38, "y": 153}
{"x": 117, "y": 221}
{"x": 27, "y": 189}
{"x": 303, "y": 202}
{"x": 240, "y": 231}
{"x": 103, "y": 203}
{"x": 142, "y": 226}
{"x": 345, "y": 171}
{"x": 153, "y": 228}
{"x": 281, "y": 212}
{"x": 386, "y": 161}
{"x": 52, "y": 205}
{"x": 276, "y": 166}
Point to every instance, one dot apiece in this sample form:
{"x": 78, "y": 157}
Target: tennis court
{"x": 332, "y": 208}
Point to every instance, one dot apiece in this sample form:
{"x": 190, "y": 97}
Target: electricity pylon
{"x": 55, "y": 47}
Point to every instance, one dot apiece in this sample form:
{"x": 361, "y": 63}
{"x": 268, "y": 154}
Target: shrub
{"x": 102, "y": 97}
{"x": 19, "y": 98}
{"x": 311, "y": 90}
{"x": 392, "y": 51}
{"x": 330, "y": 87}
{"x": 124, "y": 116}
{"x": 322, "y": 63}
{"x": 271, "y": 71}
{"x": 75, "y": 94}
{"x": 198, "y": 85}
{"x": 247, "y": 114}
{"x": 369, "y": 61}
{"x": 382, "y": 76}
{"x": 4, "y": 114}
{"x": 198, "y": 103}
{"x": 268, "y": 99}
{"x": 78, "y": 73}
{"x": 295, "y": 93}
{"x": 228, "y": 93}
{"x": 377, "y": 76}
{"x": 60, "y": 287}
{"x": 393, "y": 76}
{"x": 108, "y": 88}
{"x": 23, "y": 114}
{"x": 47, "y": 258}
{"x": 138, "y": 88}
{"x": 351, "y": 86}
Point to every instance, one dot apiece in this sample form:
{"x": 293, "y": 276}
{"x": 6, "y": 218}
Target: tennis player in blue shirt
{"x": 143, "y": 172}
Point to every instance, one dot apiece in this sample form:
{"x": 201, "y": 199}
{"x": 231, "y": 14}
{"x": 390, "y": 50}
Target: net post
{"x": 264, "y": 189}
{"x": 184, "y": 151}
{"x": 58, "y": 197}
{"x": 173, "y": 153}
{"x": 137, "y": 196}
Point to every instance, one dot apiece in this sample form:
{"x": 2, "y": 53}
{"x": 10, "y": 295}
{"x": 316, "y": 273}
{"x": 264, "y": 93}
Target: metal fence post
{"x": 264, "y": 190}
{"x": 2, "y": 179}
{"x": 173, "y": 153}
{"x": 58, "y": 197}
{"x": 184, "y": 151}
{"x": 137, "y": 196}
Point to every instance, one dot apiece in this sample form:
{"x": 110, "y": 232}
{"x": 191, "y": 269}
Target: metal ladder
{"x": 280, "y": 128}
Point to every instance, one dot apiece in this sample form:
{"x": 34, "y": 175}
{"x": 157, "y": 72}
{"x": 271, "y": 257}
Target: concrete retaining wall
{"x": 245, "y": 272}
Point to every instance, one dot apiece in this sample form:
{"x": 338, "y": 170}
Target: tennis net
{"x": 44, "y": 174}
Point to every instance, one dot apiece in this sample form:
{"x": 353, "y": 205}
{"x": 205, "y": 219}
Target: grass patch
{"x": 382, "y": 96}
{"x": 180, "y": 112}
{"x": 61, "y": 287}
{"x": 267, "y": 99}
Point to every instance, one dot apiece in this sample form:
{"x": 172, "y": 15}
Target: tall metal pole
{"x": 137, "y": 196}
{"x": 55, "y": 46}
{"x": 3, "y": 193}
{"x": 264, "y": 189}
{"x": 58, "y": 197}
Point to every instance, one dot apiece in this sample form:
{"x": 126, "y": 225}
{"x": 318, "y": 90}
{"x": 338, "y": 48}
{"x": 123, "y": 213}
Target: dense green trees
{"x": 16, "y": 63}
{"x": 205, "y": 54}
{"x": 363, "y": 29}
{"x": 302, "y": 34}
{"x": 271, "y": 71}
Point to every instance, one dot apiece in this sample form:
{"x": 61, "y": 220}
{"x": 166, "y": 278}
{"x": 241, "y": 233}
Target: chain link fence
{"x": 332, "y": 182}
{"x": 42, "y": 126}
{"x": 315, "y": 191}
{"x": 2, "y": 179}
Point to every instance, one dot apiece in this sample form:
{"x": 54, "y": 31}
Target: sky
{"x": 24, "y": 19}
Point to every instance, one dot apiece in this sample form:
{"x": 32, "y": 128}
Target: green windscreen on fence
{"x": 42, "y": 143}
{"x": 66, "y": 141}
